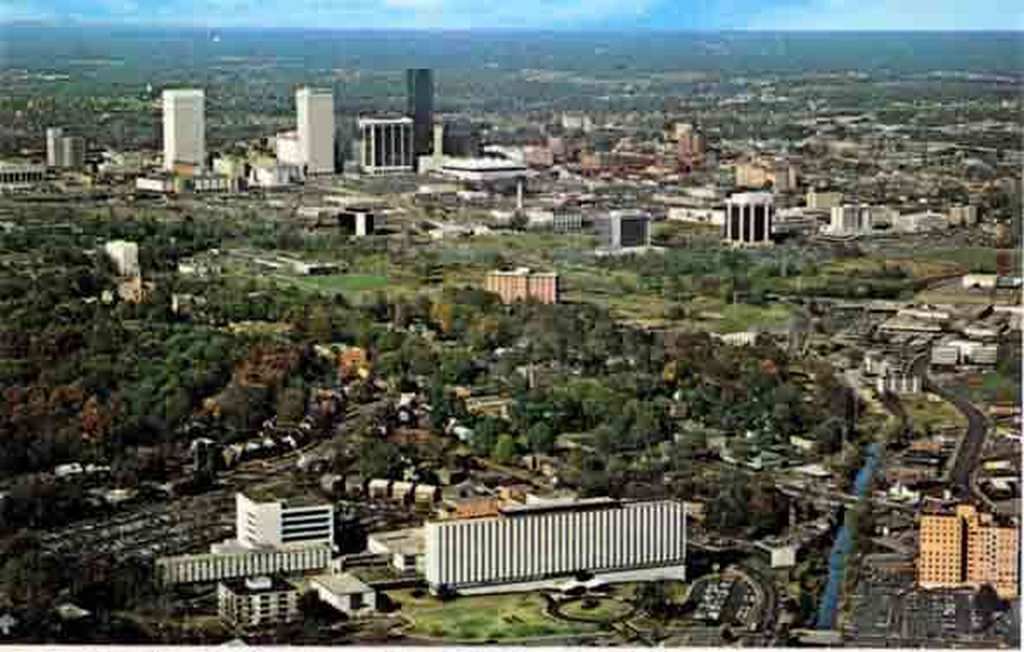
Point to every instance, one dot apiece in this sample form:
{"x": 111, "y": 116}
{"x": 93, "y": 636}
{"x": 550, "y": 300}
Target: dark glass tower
{"x": 419, "y": 88}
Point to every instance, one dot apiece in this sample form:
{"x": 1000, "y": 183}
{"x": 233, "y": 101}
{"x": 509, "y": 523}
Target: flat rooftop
{"x": 521, "y": 271}
{"x": 255, "y": 585}
{"x": 561, "y": 505}
{"x": 287, "y": 495}
{"x": 482, "y": 165}
{"x": 408, "y": 541}
{"x": 342, "y": 584}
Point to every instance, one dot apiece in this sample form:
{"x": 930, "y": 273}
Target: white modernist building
{"x": 748, "y": 219}
{"x": 537, "y": 543}
{"x": 241, "y": 562}
{"x": 184, "y": 127}
{"x": 283, "y": 524}
{"x": 125, "y": 256}
{"x": 53, "y": 146}
{"x": 386, "y": 145}
{"x": 287, "y": 150}
{"x": 20, "y": 176}
{"x": 850, "y": 219}
{"x": 271, "y": 536}
{"x": 315, "y": 114}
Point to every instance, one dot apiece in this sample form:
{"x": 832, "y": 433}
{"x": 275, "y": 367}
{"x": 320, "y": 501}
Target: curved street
{"x": 968, "y": 450}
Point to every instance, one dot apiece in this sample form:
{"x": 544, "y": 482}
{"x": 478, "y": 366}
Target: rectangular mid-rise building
{"x": 531, "y": 543}
{"x": 523, "y": 285}
{"x": 624, "y": 229}
{"x": 386, "y": 145}
{"x": 270, "y": 522}
{"x": 257, "y": 602}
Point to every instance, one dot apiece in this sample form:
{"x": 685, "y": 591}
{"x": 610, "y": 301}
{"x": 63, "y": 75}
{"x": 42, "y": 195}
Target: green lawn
{"x": 935, "y": 414}
{"x": 483, "y": 618}
{"x": 341, "y": 283}
{"x": 971, "y": 259}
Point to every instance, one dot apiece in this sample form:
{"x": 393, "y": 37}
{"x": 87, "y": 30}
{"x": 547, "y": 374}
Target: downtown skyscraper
{"x": 419, "y": 85}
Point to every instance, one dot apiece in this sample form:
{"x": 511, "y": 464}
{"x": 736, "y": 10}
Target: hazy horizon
{"x": 557, "y": 15}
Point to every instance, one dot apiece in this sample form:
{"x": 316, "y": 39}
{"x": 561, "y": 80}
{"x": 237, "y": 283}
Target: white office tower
{"x": 748, "y": 219}
{"x": 184, "y": 127}
{"x": 53, "y": 146}
{"x": 850, "y": 220}
{"x": 282, "y": 523}
{"x": 541, "y": 542}
{"x": 315, "y": 109}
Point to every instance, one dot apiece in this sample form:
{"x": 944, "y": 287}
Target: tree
{"x": 653, "y": 598}
{"x": 319, "y": 324}
{"x": 486, "y": 431}
{"x": 505, "y": 449}
{"x": 378, "y": 459}
{"x": 291, "y": 405}
{"x": 541, "y": 438}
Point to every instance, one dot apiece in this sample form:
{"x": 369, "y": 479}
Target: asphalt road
{"x": 969, "y": 451}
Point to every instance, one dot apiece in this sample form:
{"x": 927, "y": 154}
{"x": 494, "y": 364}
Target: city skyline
{"x": 560, "y": 15}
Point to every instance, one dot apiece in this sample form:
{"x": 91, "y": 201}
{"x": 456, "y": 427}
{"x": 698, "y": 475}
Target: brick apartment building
{"x": 968, "y": 549}
{"x": 523, "y": 285}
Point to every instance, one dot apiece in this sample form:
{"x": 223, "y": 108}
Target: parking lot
{"x": 913, "y": 617}
{"x": 941, "y": 615}
{"x": 156, "y": 530}
{"x": 724, "y": 599}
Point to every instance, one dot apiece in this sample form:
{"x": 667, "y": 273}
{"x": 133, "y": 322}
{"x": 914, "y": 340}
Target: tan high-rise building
{"x": 968, "y": 549}
{"x": 315, "y": 114}
{"x": 523, "y": 285}
{"x": 184, "y": 128}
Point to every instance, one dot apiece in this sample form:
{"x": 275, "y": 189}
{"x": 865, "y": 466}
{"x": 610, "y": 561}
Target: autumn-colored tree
{"x": 94, "y": 419}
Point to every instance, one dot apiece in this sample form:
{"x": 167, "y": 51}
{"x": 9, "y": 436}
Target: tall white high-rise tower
{"x": 184, "y": 127}
{"x": 315, "y": 108}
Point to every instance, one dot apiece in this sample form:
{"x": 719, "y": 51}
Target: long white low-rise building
{"x": 241, "y": 562}
{"x": 535, "y": 543}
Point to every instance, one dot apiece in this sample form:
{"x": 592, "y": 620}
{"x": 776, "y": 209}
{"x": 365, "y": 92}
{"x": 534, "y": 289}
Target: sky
{"x": 534, "y": 14}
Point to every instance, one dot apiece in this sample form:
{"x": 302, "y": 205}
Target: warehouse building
{"x": 534, "y": 544}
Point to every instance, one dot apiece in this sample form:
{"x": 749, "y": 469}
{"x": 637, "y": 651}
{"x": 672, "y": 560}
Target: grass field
{"x": 933, "y": 414}
{"x": 340, "y": 283}
{"x": 483, "y": 618}
{"x": 969, "y": 259}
